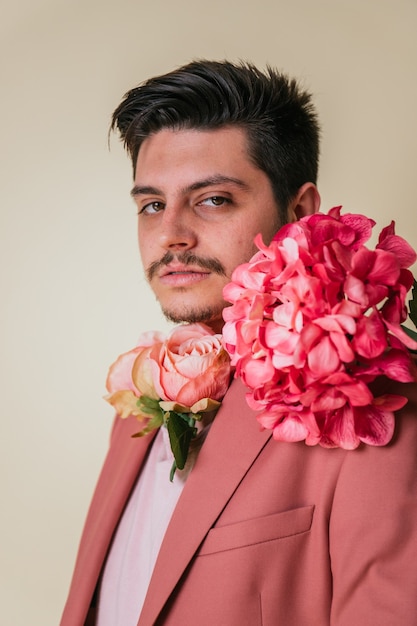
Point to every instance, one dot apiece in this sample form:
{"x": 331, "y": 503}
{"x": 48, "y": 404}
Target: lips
{"x": 174, "y": 270}
{"x": 182, "y": 275}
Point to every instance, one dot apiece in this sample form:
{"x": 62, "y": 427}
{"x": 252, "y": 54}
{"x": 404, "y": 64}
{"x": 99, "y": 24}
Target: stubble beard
{"x": 202, "y": 315}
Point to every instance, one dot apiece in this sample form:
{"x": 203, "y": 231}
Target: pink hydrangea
{"x": 315, "y": 318}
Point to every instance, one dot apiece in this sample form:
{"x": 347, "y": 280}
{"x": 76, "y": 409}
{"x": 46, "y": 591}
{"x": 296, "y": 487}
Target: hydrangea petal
{"x": 391, "y": 242}
{"x": 374, "y": 426}
{"x": 323, "y": 358}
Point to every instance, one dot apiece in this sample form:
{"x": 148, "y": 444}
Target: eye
{"x": 152, "y": 207}
{"x": 215, "y": 201}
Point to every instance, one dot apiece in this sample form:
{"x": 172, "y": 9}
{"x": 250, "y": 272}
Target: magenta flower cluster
{"x": 315, "y": 327}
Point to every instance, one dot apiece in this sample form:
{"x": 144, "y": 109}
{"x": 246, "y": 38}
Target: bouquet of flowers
{"x": 171, "y": 381}
{"x": 316, "y": 318}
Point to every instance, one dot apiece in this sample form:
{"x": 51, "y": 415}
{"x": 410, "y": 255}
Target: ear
{"x": 305, "y": 202}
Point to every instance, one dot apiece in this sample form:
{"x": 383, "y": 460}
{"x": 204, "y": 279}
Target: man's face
{"x": 201, "y": 201}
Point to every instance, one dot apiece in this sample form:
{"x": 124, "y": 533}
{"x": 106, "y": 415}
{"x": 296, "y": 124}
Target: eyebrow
{"x": 217, "y": 179}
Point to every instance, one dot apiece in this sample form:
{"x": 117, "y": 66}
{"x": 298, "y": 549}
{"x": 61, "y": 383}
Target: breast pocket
{"x": 258, "y": 530}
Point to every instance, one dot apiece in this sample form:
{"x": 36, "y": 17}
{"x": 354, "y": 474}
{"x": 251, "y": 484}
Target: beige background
{"x": 73, "y": 296}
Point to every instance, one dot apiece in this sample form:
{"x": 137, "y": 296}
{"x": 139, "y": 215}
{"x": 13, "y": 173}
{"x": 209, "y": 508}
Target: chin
{"x": 211, "y": 316}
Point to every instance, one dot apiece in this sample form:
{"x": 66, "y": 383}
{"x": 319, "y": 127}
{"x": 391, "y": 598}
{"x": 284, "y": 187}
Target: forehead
{"x": 223, "y": 149}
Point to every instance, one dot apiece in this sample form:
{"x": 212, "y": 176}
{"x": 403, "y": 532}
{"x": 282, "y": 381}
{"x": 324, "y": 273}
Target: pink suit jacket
{"x": 268, "y": 533}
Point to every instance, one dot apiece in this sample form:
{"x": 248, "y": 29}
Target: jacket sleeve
{"x": 373, "y": 531}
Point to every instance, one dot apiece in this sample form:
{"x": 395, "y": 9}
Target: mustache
{"x": 186, "y": 258}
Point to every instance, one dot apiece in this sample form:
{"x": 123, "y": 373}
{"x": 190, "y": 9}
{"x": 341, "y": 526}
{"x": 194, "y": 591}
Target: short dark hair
{"x": 278, "y": 116}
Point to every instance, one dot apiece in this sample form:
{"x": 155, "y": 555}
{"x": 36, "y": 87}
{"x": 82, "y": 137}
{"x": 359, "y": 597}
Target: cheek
{"x": 145, "y": 248}
{"x": 243, "y": 249}
{"x": 270, "y": 228}
{"x": 269, "y": 233}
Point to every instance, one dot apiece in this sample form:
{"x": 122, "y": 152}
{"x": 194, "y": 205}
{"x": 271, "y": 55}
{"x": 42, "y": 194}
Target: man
{"x": 258, "y": 532}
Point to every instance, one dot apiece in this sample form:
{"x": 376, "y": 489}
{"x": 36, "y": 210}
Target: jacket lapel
{"x": 232, "y": 445}
{"x": 119, "y": 473}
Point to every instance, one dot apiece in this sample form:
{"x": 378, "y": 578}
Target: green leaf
{"x": 148, "y": 403}
{"x": 180, "y": 435}
{"x": 155, "y": 422}
{"x": 188, "y": 419}
{"x": 172, "y": 471}
{"x": 412, "y": 305}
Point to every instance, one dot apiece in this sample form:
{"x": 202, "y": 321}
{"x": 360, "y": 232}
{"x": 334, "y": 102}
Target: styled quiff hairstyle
{"x": 278, "y": 117}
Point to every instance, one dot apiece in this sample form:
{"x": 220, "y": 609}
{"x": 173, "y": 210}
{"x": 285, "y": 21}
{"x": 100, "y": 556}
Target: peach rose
{"x": 171, "y": 381}
{"x": 190, "y": 367}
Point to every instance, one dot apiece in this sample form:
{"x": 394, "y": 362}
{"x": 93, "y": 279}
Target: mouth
{"x": 181, "y": 276}
{"x": 173, "y": 270}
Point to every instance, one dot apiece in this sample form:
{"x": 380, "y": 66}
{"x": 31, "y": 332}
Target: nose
{"x": 177, "y": 229}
